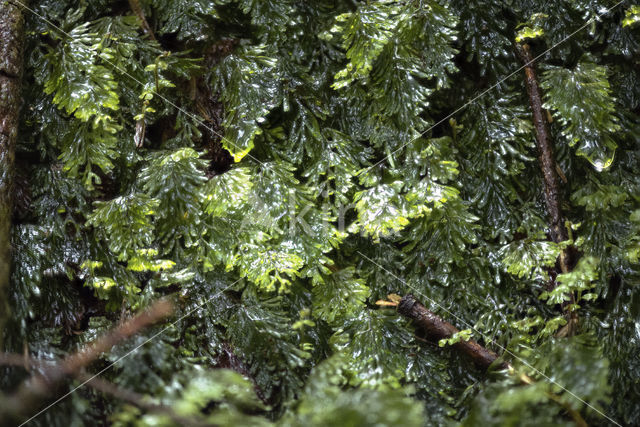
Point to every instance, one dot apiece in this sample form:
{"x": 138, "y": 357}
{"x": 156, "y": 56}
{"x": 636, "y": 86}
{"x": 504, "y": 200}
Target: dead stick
{"x": 103, "y": 386}
{"x": 40, "y": 387}
{"x": 546, "y": 158}
{"x": 88, "y": 354}
{"x": 549, "y": 168}
{"x": 437, "y": 328}
{"x": 14, "y": 359}
{"x": 139, "y": 400}
{"x": 137, "y": 9}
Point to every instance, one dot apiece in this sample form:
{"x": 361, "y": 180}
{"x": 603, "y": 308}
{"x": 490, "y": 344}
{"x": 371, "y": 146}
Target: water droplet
{"x": 599, "y": 165}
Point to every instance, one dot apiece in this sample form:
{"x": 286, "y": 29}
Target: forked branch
{"x": 43, "y": 385}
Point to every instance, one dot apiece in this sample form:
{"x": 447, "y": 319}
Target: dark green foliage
{"x": 589, "y": 123}
{"x": 353, "y": 407}
{"x": 507, "y": 403}
{"x": 249, "y": 90}
{"x": 275, "y": 167}
{"x": 262, "y": 332}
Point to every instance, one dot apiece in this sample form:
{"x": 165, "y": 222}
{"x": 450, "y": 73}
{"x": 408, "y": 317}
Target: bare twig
{"x": 138, "y": 400}
{"x": 546, "y": 158}
{"x": 437, "y": 328}
{"x": 15, "y": 359}
{"x": 39, "y": 387}
{"x": 551, "y": 173}
{"x": 136, "y": 7}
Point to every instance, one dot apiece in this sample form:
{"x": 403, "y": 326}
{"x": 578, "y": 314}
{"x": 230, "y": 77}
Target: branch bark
{"x": 549, "y": 168}
{"x": 137, "y": 9}
{"x": 103, "y": 386}
{"x": 546, "y": 158}
{"x": 437, "y": 328}
{"x": 11, "y": 52}
{"x": 39, "y": 387}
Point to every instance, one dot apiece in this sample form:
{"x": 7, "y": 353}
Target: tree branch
{"x": 137, "y": 9}
{"x": 437, "y": 328}
{"x": 41, "y": 386}
{"x": 549, "y": 168}
{"x": 138, "y": 400}
{"x": 546, "y": 158}
{"x": 103, "y": 386}
{"x": 11, "y": 52}
{"x": 15, "y": 359}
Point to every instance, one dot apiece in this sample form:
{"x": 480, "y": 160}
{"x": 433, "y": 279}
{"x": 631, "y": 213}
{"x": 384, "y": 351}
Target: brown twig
{"x": 103, "y": 386}
{"x": 15, "y": 359}
{"x": 136, "y": 7}
{"x": 160, "y": 310}
{"x": 41, "y": 386}
{"x": 437, "y": 328}
{"x": 580, "y": 422}
{"x": 551, "y": 173}
{"x": 546, "y": 158}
